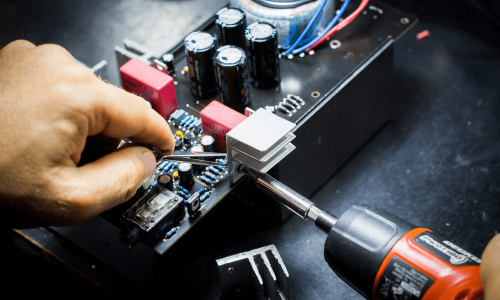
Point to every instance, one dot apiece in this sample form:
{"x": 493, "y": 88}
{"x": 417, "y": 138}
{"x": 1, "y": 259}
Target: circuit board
{"x": 314, "y": 77}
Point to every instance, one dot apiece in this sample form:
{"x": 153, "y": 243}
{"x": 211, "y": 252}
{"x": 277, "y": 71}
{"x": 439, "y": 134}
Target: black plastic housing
{"x": 359, "y": 242}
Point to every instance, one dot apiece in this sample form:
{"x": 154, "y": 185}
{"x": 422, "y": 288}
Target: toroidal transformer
{"x": 290, "y": 17}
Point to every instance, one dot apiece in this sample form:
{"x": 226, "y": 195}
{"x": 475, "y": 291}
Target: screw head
{"x": 404, "y": 20}
{"x": 230, "y": 270}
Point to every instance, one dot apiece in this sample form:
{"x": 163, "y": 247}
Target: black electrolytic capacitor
{"x": 186, "y": 176}
{"x": 168, "y": 60}
{"x": 230, "y": 26}
{"x": 231, "y": 73}
{"x": 187, "y": 140}
{"x": 166, "y": 181}
{"x": 200, "y": 50}
{"x": 197, "y": 149}
{"x": 207, "y": 141}
{"x": 263, "y": 55}
{"x": 178, "y": 144}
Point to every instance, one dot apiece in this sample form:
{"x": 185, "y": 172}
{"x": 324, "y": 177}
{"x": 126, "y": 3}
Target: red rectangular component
{"x": 150, "y": 84}
{"x": 217, "y": 120}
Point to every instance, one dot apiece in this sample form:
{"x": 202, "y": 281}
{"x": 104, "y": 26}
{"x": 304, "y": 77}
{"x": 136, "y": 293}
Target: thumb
{"x": 111, "y": 180}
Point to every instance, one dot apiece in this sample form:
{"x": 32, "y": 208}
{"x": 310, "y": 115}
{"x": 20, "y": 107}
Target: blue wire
{"x": 307, "y": 28}
{"x": 325, "y": 31}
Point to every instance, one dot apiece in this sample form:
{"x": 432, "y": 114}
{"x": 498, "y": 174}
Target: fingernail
{"x": 150, "y": 162}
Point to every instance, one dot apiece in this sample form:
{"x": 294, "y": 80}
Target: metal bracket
{"x": 99, "y": 69}
{"x": 259, "y": 142}
{"x": 134, "y": 50}
{"x": 256, "y": 274}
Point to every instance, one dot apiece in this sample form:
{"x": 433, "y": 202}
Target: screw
{"x": 230, "y": 270}
{"x": 404, "y": 20}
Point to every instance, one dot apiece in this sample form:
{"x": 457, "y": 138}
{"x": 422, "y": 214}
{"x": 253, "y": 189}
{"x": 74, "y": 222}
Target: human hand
{"x": 490, "y": 269}
{"x": 49, "y": 106}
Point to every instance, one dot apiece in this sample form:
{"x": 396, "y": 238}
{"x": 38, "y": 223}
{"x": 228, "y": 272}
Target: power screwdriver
{"x": 382, "y": 256}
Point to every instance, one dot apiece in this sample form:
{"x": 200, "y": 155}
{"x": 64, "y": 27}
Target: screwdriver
{"x": 382, "y": 256}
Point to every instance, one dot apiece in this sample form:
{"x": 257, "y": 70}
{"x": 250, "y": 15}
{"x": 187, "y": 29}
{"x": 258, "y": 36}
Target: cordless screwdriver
{"x": 382, "y": 256}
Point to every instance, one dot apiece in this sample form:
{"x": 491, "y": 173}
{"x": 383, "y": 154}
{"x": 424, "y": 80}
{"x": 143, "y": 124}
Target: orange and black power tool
{"x": 382, "y": 256}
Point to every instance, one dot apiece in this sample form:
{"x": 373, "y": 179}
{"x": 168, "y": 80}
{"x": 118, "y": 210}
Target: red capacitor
{"x": 150, "y": 84}
{"x": 217, "y": 120}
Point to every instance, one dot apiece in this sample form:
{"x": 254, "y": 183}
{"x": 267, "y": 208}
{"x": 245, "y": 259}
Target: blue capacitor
{"x": 213, "y": 170}
{"x": 205, "y": 180}
{"x": 183, "y": 189}
{"x": 210, "y": 175}
{"x": 204, "y": 196}
{"x": 183, "y": 195}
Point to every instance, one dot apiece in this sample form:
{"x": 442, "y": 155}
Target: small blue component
{"x": 204, "y": 196}
{"x": 171, "y": 232}
{"x": 202, "y": 190}
{"x": 209, "y": 175}
{"x": 213, "y": 170}
{"x": 183, "y": 195}
{"x": 154, "y": 184}
{"x": 205, "y": 180}
{"x": 220, "y": 160}
{"x": 183, "y": 189}
{"x": 186, "y": 120}
{"x": 175, "y": 165}
{"x": 168, "y": 166}
{"x": 162, "y": 165}
{"x": 189, "y": 122}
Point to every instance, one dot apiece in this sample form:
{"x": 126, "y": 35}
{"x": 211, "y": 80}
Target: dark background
{"x": 437, "y": 166}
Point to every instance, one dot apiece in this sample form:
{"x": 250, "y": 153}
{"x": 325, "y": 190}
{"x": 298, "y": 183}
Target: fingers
{"x": 108, "y": 181}
{"x": 490, "y": 269}
{"x": 118, "y": 114}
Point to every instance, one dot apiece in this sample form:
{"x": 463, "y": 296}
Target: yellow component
{"x": 179, "y": 133}
{"x": 176, "y": 175}
{"x": 186, "y": 69}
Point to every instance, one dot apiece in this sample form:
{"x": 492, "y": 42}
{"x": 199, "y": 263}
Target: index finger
{"x": 118, "y": 114}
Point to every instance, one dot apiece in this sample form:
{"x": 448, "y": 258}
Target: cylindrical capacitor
{"x": 168, "y": 59}
{"x": 178, "y": 144}
{"x": 207, "y": 141}
{"x": 188, "y": 139}
{"x": 197, "y": 149}
{"x": 200, "y": 50}
{"x": 166, "y": 181}
{"x": 186, "y": 176}
{"x": 263, "y": 55}
{"x": 230, "y": 26}
{"x": 231, "y": 74}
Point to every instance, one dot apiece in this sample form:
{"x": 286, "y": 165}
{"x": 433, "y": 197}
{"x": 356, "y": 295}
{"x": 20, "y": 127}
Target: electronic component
{"x": 168, "y": 60}
{"x": 213, "y": 170}
{"x": 201, "y": 190}
{"x": 292, "y": 102}
{"x": 162, "y": 165}
{"x": 177, "y": 116}
{"x": 186, "y": 176}
{"x": 171, "y": 232}
{"x": 181, "y": 188}
{"x": 197, "y": 148}
{"x": 154, "y": 213}
{"x": 193, "y": 204}
{"x": 288, "y": 106}
{"x": 183, "y": 194}
{"x": 187, "y": 140}
{"x": 263, "y": 55}
{"x": 296, "y": 98}
{"x": 230, "y": 26}
{"x": 185, "y": 120}
{"x": 191, "y": 121}
{"x": 180, "y": 134}
{"x": 200, "y": 50}
{"x": 167, "y": 167}
{"x": 150, "y": 84}
{"x": 289, "y": 16}
{"x": 197, "y": 126}
{"x": 210, "y": 175}
{"x": 178, "y": 144}
{"x": 175, "y": 175}
{"x": 205, "y": 179}
{"x": 218, "y": 120}
{"x": 231, "y": 74}
{"x": 166, "y": 181}
{"x": 284, "y": 110}
{"x": 208, "y": 142}
{"x": 204, "y": 196}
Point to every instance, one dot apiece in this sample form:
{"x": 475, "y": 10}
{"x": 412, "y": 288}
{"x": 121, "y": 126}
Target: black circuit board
{"x": 313, "y": 77}
{"x": 218, "y": 188}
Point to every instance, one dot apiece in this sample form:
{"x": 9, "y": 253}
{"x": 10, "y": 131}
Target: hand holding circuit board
{"x": 51, "y": 105}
